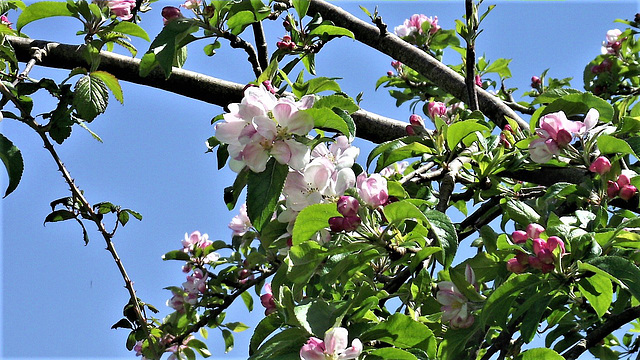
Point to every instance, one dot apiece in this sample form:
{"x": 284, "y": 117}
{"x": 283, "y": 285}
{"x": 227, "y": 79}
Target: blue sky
{"x": 59, "y": 298}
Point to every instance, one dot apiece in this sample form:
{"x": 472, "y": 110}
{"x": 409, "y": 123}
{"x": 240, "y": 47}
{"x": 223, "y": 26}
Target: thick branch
{"x": 261, "y": 44}
{"x": 237, "y": 42}
{"x": 470, "y": 60}
{"x": 600, "y": 332}
{"x": 416, "y": 59}
{"x": 191, "y": 84}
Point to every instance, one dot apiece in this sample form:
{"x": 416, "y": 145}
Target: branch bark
{"x": 418, "y": 60}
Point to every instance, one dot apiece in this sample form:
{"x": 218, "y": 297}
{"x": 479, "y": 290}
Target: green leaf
{"x": 599, "y": 292}
{"x": 284, "y": 345}
{"x": 552, "y": 94}
{"x": 400, "y": 211}
{"x": 263, "y": 191}
{"x": 521, "y": 213}
{"x": 305, "y": 258}
{"x": 238, "y": 21}
{"x": 501, "y": 67}
{"x": 200, "y": 347}
{"x": 312, "y": 219}
{"x": 459, "y": 130}
{"x": 337, "y": 101}
{"x": 580, "y": 103}
{"x": 232, "y": 193}
{"x": 111, "y": 82}
{"x": 176, "y": 255}
{"x": 90, "y": 97}
{"x": 394, "y": 154}
{"x": 533, "y": 315}
{"x": 390, "y": 353}
{"x": 402, "y": 331}
{"x": 228, "y": 340}
{"x": 41, "y": 10}
{"x": 611, "y": 145}
{"x": 13, "y": 163}
{"x": 210, "y": 49}
{"x": 122, "y": 324}
{"x": 269, "y": 72}
{"x": 129, "y": 28}
{"x": 301, "y": 7}
{"x": 497, "y": 306}
{"x": 467, "y": 289}
{"x": 247, "y": 299}
{"x": 445, "y": 235}
{"x": 324, "y": 118}
{"x": 59, "y": 215}
{"x": 541, "y": 354}
{"x": 264, "y": 328}
{"x": 163, "y": 49}
{"x": 331, "y": 30}
{"x": 622, "y": 269}
{"x": 236, "y": 326}
{"x": 318, "y": 316}
{"x": 123, "y": 218}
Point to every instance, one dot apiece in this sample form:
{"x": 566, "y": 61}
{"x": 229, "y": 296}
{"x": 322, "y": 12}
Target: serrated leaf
{"x": 622, "y": 270}
{"x": 541, "y": 354}
{"x": 337, "y": 101}
{"x": 445, "y": 234}
{"x": 312, "y": 219}
{"x": 122, "y": 324}
{"x": 390, "y": 353}
{"x": 599, "y": 292}
{"x": 497, "y": 306}
{"x": 611, "y": 145}
{"x": 13, "y": 163}
{"x": 247, "y": 299}
{"x": 129, "y": 28}
{"x": 402, "y": 331}
{"x": 112, "y": 83}
{"x": 176, "y": 255}
{"x": 263, "y": 192}
{"x": 581, "y": 103}
{"x": 238, "y": 21}
{"x": 41, "y": 10}
{"x": 90, "y": 97}
{"x": 301, "y": 7}
{"x": 264, "y": 328}
{"x": 331, "y": 30}
{"x": 324, "y": 118}
{"x": 459, "y": 130}
{"x": 200, "y": 347}
{"x": 236, "y": 326}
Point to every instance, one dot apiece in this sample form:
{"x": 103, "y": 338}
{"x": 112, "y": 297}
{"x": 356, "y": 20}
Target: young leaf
{"x": 497, "y": 306}
{"x": 331, "y": 30}
{"x": 132, "y": 29}
{"x": 90, "y": 97}
{"x": 390, "y": 353}
{"x": 312, "y": 219}
{"x": 264, "y": 328}
{"x": 324, "y": 118}
{"x": 301, "y": 7}
{"x": 445, "y": 234}
{"x": 599, "y": 292}
{"x": 541, "y": 354}
{"x": 41, "y": 10}
{"x": 621, "y": 269}
{"x": 402, "y": 331}
{"x": 111, "y": 82}
{"x": 228, "y": 340}
{"x": 263, "y": 191}
{"x": 13, "y": 163}
{"x": 459, "y": 130}
{"x": 59, "y": 215}
{"x": 337, "y": 101}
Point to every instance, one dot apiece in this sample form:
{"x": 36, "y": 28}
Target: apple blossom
{"x": 519, "y": 237}
{"x": 455, "y": 307}
{"x": 122, "y": 8}
{"x": 601, "y": 165}
{"x": 534, "y": 230}
{"x": 191, "y": 4}
{"x": 334, "y": 347}
{"x": 535, "y": 82}
{"x": 436, "y": 108}
{"x": 612, "y": 43}
{"x": 267, "y": 301}
{"x": 240, "y": 223}
{"x": 373, "y": 189}
{"x": 395, "y": 168}
{"x": 348, "y": 206}
{"x": 4, "y": 20}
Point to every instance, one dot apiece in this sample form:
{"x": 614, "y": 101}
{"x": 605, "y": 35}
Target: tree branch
{"x": 261, "y": 44}
{"x": 470, "y": 61}
{"x": 600, "y": 332}
{"x": 191, "y": 84}
{"x": 237, "y": 42}
{"x": 418, "y": 60}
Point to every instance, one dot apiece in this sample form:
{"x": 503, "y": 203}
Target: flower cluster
{"x": 543, "y": 257}
{"x": 286, "y": 43}
{"x": 122, "y": 8}
{"x": 603, "y": 67}
{"x": 196, "y": 245}
{"x": 323, "y": 179}
{"x": 414, "y": 25}
{"x": 556, "y": 132}
{"x": 334, "y": 347}
{"x": 192, "y": 289}
{"x": 455, "y": 308}
{"x": 263, "y": 126}
{"x": 621, "y": 187}
{"x": 612, "y": 43}
{"x": 441, "y": 110}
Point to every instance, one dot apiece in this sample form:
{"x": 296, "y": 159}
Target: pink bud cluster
{"x": 543, "y": 257}
{"x": 286, "y": 43}
{"x": 122, "y": 8}
{"x": 4, "y": 20}
{"x": 601, "y": 165}
{"x": 196, "y": 245}
{"x": 556, "y": 132}
{"x": 267, "y": 301}
{"x": 334, "y": 347}
{"x": 603, "y": 67}
{"x": 195, "y": 286}
{"x": 413, "y": 25}
{"x": 416, "y": 124}
{"x": 535, "y": 82}
{"x": 348, "y": 207}
{"x": 621, "y": 187}
{"x": 455, "y": 308}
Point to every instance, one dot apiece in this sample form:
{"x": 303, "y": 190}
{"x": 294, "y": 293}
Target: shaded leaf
{"x": 13, "y": 163}
{"x": 263, "y": 191}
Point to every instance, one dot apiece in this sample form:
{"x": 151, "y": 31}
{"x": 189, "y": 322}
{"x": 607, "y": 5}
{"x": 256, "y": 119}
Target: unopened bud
{"x": 348, "y": 206}
{"x": 410, "y": 130}
{"x": 170, "y": 13}
{"x": 389, "y": 73}
{"x": 416, "y": 120}
{"x": 627, "y": 192}
{"x": 612, "y": 189}
{"x": 535, "y": 81}
{"x": 601, "y": 165}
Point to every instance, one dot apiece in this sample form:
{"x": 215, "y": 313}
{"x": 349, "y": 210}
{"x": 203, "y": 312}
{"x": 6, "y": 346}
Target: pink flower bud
{"x": 243, "y": 274}
{"x": 396, "y": 64}
{"x": 553, "y": 242}
{"x": 508, "y": 127}
{"x": 170, "y": 13}
{"x": 627, "y": 192}
{"x": 601, "y": 165}
{"x": 519, "y": 237}
{"x": 535, "y": 81}
{"x": 348, "y": 206}
{"x": 286, "y": 38}
{"x": 349, "y": 223}
{"x": 436, "y": 108}
{"x": 514, "y": 266}
{"x": 612, "y": 189}
{"x": 389, "y": 73}
{"x": 268, "y": 86}
{"x": 416, "y": 120}
{"x": 504, "y": 141}
{"x": 410, "y": 130}
{"x": 478, "y": 80}
{"x": 623, "y": 180}
{"x": 372, "y": 189}
{"x": 534, "y": 230}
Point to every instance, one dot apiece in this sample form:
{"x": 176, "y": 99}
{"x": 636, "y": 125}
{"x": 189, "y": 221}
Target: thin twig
{"x": 470, "y": 61}
{"x": 261, "y": 44}
{"x": 237, "y": 42}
